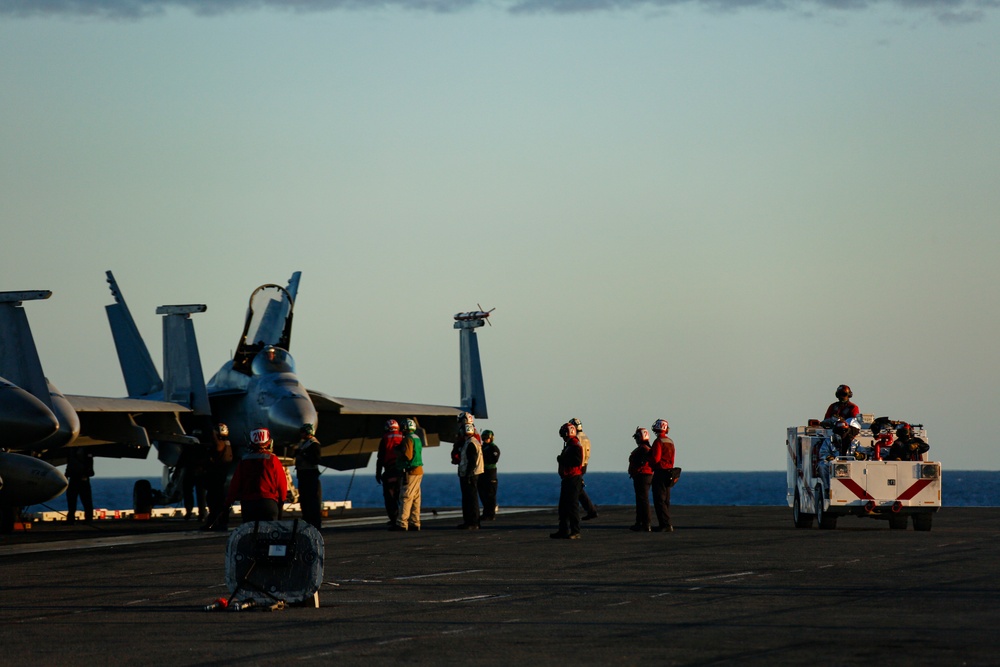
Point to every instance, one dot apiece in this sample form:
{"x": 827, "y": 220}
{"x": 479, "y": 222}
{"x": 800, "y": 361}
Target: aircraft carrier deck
{"x": 732, "y": 585}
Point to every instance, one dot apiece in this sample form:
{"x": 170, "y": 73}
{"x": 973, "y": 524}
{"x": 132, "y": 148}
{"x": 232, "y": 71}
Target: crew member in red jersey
{"x": 571, "y": 471}
{"x": 641, "y": 473}
{"x": 386, "y": 469}
{"x": 661, "y": 459}
{"x": 259, "y": 482}
{"x": 841, "y": 417}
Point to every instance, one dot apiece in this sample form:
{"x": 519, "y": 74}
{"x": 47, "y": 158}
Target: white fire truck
{"x": 825, "y": 483}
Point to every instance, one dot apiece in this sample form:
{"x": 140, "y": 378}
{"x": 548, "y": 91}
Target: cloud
{"x": 951, "y": 12}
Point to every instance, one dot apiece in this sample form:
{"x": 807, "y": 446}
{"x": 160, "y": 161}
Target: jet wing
{"x": 350, "y": 428}
{"x": 124, "y": 427}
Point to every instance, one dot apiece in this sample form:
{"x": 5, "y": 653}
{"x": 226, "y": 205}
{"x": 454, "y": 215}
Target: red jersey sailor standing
{"x": 571, "y": 471}
{"x": 259, "y": 482}
{"x": 661, "y": 459}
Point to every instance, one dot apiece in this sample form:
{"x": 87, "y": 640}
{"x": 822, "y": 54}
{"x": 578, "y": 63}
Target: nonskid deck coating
{"x": 731, "y": 585}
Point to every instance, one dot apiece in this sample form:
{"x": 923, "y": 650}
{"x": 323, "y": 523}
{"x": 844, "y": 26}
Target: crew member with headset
{"x": 488, "y": 480}
{"x": 585, "y": 502}
{"x": 259, "y": 482}
{"x": 470, "y": 467}
{"x": 410, "y": 463}
{"x": 79, "y": 470}
{"x": 307, "y": 455}
{"x": 641, "y": 472}
{"x": 907, "y": 446}
{"x": 386, "y": 468}
{"x": 841, "y": 416}
{"x": 661, "y": 459}
{"x": 570, "y": 462}
{"x": 220, "y": 459}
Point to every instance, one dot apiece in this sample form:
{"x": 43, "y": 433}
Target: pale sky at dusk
{"x": 711, "y": 212}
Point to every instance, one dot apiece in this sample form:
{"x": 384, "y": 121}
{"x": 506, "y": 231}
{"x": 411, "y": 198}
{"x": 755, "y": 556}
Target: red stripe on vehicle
{"x": 917, "y": 487}
{"x": 854, "y": 488}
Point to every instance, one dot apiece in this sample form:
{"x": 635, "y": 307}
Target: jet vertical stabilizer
{"x": 19, "y": 361}
{"x": 473, "y": 391}
{"x": 183, "y": 378}
{"x": 141, "y": 377}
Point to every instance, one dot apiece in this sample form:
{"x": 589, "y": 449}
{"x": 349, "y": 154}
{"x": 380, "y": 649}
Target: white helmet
{"x": 661, "y": 426}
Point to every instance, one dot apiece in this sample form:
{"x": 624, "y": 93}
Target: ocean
{"x": 960, "y": 488}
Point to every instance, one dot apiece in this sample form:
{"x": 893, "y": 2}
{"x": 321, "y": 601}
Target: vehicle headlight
{"x": 930, "y": 471}
{"x": 841, "y": 470}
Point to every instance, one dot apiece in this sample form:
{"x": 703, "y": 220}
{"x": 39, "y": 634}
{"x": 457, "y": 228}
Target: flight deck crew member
{"x": 79, "y": 470}
{"x": 641, "y": 472}
{"x": 259, "y": 482}
{"x": 907, "y": 446}
{"x": 386, "y": 468}
{"x": 488, "y": 480}
{"x": 585, "y": 502}
{"x": 410, "y": 463}
{"x": 470, "y": 467}
{"x": 661, "y": 459}
{"x": 220, "y": 459}
{"x": 842, "y": 418}
{"x": 307, "y": 454}
{"x": 570, "y": 462}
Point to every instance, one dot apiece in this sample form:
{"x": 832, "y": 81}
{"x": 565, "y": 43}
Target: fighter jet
{"x": 39, "y": 422}
{"x": 259, "y": 387}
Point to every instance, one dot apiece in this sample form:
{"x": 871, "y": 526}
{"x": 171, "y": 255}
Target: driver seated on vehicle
{"x": 842, "y": 417}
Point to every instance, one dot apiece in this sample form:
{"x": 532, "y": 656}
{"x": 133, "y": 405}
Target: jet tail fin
{"x": 183, "y": 378}
{"x": 141, "y": 376}
{"x": 471, "y": 369}
{"x": 19, "y": 362}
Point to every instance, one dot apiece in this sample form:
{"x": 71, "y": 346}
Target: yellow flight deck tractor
{"x": 828, "y": 478}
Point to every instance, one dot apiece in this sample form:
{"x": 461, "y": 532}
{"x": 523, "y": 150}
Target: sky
{"x": 712, "y": 212}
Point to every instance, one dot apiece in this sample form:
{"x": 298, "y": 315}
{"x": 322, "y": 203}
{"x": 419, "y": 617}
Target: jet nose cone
{"x": 24, "y": 419}
{"x": 287, "y": 416}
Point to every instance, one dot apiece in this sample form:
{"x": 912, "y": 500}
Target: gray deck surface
{"x": 732, "y": 585}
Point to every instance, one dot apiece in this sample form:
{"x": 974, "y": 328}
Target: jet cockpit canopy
{"x": 272, "y": 359}
{"x": 268, "y": 323}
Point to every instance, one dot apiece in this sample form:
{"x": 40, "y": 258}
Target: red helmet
{"x": 567, "y": 431}
{"x": 661, "y": 426}
{"x": 260, "y": 438}
{"x": 843, "y": 391}
{"x": 392, "y": 425}
{"x": 641, "y": 435}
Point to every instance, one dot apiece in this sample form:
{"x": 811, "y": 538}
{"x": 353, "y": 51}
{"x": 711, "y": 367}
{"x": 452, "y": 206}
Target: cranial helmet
{"x": 661, "y": 426}
{"x": 260, "y": 438}
{"x": 222, "y": 430}
{"x": 577, "y": 423}
{"x": 567, "y": 430}
{"x": 410, "y": 426}
{"x": 641, "y": 434}
{"x": 466, "y": 418}
{"x": 392, "y": 425}
{"x": 307, "y": 429}
{"x": 843, "y": 391}
{"x": 903, "y": 430}
{"x": 487, "y": 434}
{"x": 470, "y": 429}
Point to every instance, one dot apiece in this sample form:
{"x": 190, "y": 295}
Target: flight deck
{"x": 732, "y": 585}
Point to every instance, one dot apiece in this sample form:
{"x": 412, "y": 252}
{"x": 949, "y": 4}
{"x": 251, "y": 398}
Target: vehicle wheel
{"x": 897, "y": 522}
{"x": 825, "y": 520}
{"x": 800, "y": 518}
{"x": 142, "y": 497}
{"x": 922, "y": 521}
